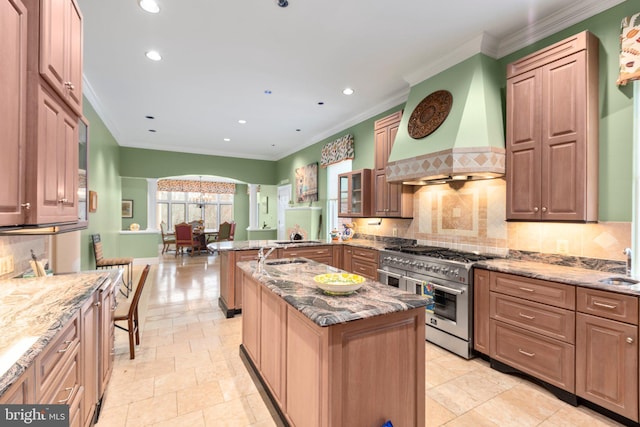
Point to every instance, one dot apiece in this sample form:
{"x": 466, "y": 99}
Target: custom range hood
{"x": 469, "y": 144}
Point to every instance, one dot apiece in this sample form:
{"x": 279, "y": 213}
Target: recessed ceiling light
{"x": 347, "y": 91}
{"x": 227, "y": 139}
{"x": 149, "y": 117}
{"x": 152, "y": 130}
{"x": 267, "y": 92}
{"x": 298, "y": 130}
{"x": 149, "y": 5}
{"x": 241, "y": 121}
{"x": 320, "y": 102}
{"x": 282, "y": 3}
{"x": 153, "y": 55}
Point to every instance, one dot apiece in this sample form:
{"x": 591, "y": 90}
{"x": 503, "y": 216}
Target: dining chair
{"x": 186, "y": 239}
{"x": 128, "y": 311}
{"x": 124, "y": 262}
{"x": 224, "y": 232}
{"x": 168, "y": 239}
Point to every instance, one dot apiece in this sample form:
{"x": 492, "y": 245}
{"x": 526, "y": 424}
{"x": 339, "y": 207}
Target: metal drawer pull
{"x": 527, "y": 289}
{"x": 68, "y": 343}
{"x": 526, "y": 316}
{"x": 630, "y": 340}
{"x": 601, "y": 304}
{"x": 526, "y": 353}
{"x": 70, "y": 390}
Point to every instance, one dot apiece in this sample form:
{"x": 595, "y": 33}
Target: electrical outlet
{"x": 562, "y": 246}
{"x": 6, "y": 265}
{"x": 395, "y": 232}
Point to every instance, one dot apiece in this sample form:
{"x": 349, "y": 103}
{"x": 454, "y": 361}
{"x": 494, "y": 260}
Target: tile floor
{"x": 187, "y": 370}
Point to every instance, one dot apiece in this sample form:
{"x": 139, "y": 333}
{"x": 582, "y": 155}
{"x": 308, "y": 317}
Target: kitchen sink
{"x": 287, "y": 242}
{"x": 286, "y": 261}
{"x": 619, "y": 281}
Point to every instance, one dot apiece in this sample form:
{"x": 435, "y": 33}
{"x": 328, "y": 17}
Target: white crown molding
{"x": 483, "y": 43}
{"x": 94, "y": 100}
{"x": 551, "y": 24}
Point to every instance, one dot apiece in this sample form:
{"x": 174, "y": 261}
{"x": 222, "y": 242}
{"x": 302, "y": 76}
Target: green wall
{"x": 135, "y": 162}
{"x": 616, "y": 109}
{"x": 135, "y": 189}
{"x": 104, "y": 179}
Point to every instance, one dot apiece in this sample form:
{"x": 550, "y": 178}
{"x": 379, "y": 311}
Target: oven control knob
{"x": 445, "y": 270}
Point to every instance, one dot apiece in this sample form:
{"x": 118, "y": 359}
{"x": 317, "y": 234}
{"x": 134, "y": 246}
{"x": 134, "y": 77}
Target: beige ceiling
{"x": 219, "y": 58}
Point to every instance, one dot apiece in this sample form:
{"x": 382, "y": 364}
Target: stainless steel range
{"x": 442, "y": 276}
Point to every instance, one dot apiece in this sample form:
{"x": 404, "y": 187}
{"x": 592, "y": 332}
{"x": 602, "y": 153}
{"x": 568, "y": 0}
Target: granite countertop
{"x": 33, "y": 310}
{"x": 556, "y": 273}
{"x": 294, "y": 283}
{"x": 244, "y": 245}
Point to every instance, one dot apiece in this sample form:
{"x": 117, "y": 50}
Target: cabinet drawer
{"x": 550, "y": 321}
{"x": 315, "y": 253}
{"x": 550, "y": 360}
{"x": 251, "y": 255}
{"x": 608, "y": 304}
{"x": 545, "y": 292}
{"x": 366, "y": 269}
{"x": 56, "y": 355}
{"x": 363, "y": 253}
{"x": 66, "y": 385}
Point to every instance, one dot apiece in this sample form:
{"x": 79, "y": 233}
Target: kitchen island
{"x": 354, "y": 360}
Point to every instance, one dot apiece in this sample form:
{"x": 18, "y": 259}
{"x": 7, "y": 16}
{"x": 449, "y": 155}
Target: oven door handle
{"x": 447, "y": 289}
{"x": 390, "y": 274}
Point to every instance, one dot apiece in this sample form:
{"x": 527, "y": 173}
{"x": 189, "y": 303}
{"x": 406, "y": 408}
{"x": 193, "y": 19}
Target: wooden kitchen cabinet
{"x": 481, "y": 311}
{"x": 230, "y": 300}
{"x": 532, "y": 327}
{"x": 354, "y": 194}
{"x": 13, "y": 109}
{"x": 61, "y": 50}
{"x": 273, "y": 315}
{"x": 364, "y": 262}
{"x": 22, "y": 391}
{"x": 90, "y": 321}
{"x": 391, "y": 199}
{"x": 552, "y": 133}
{"x": 54, "y": 154}
{"x": 607, "y": 351}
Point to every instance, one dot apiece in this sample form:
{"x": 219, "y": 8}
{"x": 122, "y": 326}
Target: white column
{"x": 253, "y": 207}
{"x": 635, "y": 209}
{"x": 152, "y": 189}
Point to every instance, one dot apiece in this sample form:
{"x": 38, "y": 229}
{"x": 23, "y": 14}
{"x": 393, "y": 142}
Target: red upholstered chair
{"x": 185, "y": 238}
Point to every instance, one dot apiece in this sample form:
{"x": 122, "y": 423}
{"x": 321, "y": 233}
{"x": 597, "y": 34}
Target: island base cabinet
{"x": 607, "y": 364}
{"x": 358, "y": 373}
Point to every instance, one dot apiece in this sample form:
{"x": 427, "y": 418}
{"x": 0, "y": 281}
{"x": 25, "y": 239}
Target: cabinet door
{"x": 56, "y": 190}
{"x": 89, "y": 343}
{"x": 13, "y": 73}
{"x": 563, "y": 139}
{"x": 607, "y": 364}
{"x": 61, "y": 49}
{"x": 343, "y": 194}
{"x": 481, "y": 311}
{"x": 273, "y": 314}
{"x": 356, "y": 198}
{"x": 22, "y": 391}
{"x": 523, "y": 146}
{"x": 107, "y": 330}
{"x": 251, "y": 319}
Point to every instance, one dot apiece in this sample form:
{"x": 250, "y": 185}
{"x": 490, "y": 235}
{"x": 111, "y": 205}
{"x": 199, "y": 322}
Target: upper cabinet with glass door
{"x": 354, "y": 194}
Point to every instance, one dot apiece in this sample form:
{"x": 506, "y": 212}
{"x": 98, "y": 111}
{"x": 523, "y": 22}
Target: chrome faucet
{"x": 261, "y": 259}
{"x": 627, "y": 252}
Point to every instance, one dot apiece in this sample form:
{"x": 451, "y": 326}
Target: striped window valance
{"x": 629, "y": 49}
{"x": 196, "y": 186}
{"x": 337, "y": 151}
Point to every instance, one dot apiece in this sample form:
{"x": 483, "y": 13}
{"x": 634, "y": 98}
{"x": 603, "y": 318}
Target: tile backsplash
{"x": 20, "y": 247}
{"x": 471, "y": 216}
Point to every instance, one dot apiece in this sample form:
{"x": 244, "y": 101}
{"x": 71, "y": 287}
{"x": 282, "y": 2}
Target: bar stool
{"x": 102, "y": 262}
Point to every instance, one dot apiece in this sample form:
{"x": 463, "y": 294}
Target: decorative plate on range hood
{"x": 430, "y": 113}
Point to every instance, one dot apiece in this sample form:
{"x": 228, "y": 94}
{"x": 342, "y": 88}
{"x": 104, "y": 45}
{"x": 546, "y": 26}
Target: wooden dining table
{"x": 205, "y": 236}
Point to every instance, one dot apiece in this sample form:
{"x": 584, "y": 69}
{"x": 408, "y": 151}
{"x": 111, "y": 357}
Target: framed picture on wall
{"x": 127, "y": 209}
{"x": 307, "y": 183}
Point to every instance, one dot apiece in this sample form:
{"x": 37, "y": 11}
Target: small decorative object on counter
{"x": 349, "y": 230}
{"x": 134, "y": 227}
{"x": 335, "y": 234}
